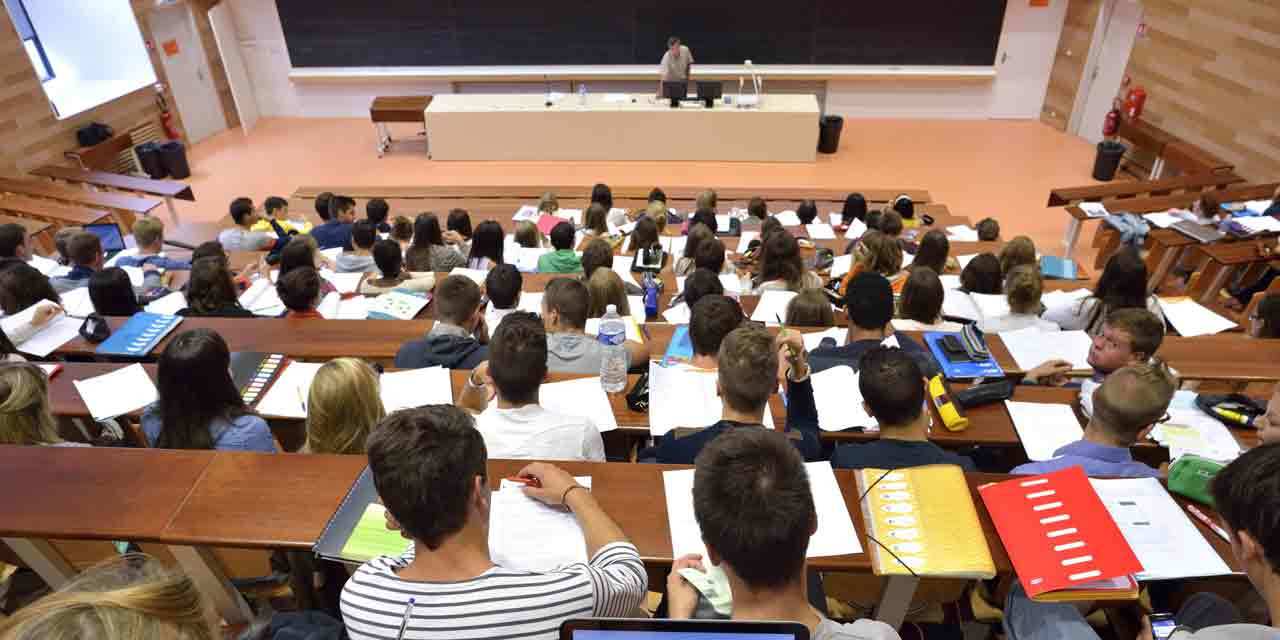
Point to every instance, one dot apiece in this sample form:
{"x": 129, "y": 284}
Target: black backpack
{"x": 93, "y": 133}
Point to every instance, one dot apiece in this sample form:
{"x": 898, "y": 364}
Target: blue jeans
{"x": 1026, "y": 619}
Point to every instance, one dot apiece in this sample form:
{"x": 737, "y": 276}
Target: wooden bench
{"x": 387, "y": 109}
{"x": 58, "y": 213}
{"x": 166, "y": 189}
{"x": 1144, "y": 137}
{"x": 126, "y": 205}
{"x": 101, "y": 156}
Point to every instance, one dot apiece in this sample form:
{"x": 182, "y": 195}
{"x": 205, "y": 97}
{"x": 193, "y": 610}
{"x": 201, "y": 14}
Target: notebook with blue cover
{"x": 954, "y": 370}
{"x": 139, "y": 335}
{"x": 680, "y": 349}
{"x": 1058, "y": 268}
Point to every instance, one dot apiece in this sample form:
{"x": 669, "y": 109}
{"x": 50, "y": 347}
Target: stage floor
{"x": 979, "y": 168}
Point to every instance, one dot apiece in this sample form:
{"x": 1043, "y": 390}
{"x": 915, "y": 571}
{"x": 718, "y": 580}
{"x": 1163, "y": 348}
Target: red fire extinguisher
{"x": 1112, "y": 124}
{"x": 1133, "y": 103}
{"x": 166, "y": 121}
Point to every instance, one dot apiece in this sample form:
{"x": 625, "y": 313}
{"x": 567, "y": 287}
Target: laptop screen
{"x": 109, "y": 234}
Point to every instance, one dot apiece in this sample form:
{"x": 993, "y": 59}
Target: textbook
{"x": 397, "y": 305}
{"x": 1061, "y": 539}
{"x": 1056, "y": 268}
{"x": 139, "y": 335}
{"x": 922, "y": 521}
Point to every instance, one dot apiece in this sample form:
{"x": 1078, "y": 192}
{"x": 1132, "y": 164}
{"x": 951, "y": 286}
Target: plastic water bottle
{"x": 613, "y": 366}
{"x": 582, "y": 94}
{"x": 650, "y": 295}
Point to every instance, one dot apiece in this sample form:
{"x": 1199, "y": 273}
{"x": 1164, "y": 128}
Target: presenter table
{"x": 619, "y": 127}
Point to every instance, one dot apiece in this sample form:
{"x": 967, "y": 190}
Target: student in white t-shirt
{"x": 1023, "y": 287}
{"x": 503, "y": 392}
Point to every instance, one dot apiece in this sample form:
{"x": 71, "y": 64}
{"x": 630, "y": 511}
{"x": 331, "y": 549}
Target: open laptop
{"x": 1198, "y": 232}
{"x": 110, "y": 235}
{"x": 656, "y": 629}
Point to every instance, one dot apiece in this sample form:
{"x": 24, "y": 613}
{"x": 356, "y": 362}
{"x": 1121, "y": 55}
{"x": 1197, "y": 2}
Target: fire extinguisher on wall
{"x": 166, "y": 116}
{"x": 1112, "y": 124}
{"x": 1134, "y": 101}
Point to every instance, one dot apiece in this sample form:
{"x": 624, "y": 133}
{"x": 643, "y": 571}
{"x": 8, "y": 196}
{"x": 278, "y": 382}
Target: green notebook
{"x": 357, "y": 532}
{"x": 371, "y": 537}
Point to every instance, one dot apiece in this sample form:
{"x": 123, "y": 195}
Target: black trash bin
{"x": 149, "y": 158}
{"x": 1108, "y": 160}
{"x": 174, "y": 157}
{"x": 829, "y": 133}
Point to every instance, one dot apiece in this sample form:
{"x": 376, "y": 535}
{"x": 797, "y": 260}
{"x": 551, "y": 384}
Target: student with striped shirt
{"x": 428, "y": 465}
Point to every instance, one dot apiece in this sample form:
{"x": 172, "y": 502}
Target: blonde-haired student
{"x": 343, "y": 406}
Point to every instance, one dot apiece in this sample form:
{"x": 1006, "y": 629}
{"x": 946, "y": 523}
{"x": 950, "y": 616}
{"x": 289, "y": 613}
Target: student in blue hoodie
{"x": 459, "y": 337}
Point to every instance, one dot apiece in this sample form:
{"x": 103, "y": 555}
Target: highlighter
{"x": 1233, "y": 416}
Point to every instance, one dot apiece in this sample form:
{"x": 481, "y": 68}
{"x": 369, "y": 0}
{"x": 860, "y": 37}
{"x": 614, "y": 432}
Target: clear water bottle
{"x": 582, "y": 94}
{"x": 613, "y": 366}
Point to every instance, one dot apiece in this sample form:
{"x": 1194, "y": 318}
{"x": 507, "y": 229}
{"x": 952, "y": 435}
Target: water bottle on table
{"x": 650, "y": 295}
{"x": 613, "y": 366}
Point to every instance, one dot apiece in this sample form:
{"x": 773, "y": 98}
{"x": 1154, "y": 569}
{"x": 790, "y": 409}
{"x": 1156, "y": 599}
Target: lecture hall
{"x": 639, "y": 320}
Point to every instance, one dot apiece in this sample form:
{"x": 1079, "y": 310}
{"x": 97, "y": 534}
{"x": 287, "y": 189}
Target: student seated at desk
{"x": 746, "y": 359}
{"x": 893, "y": 392}
{"x": 300, "y": 292}
{"x": 402, "y": 232}
{"x": 429, "y": 251}
{"x": 502, "y": 287}
{"x": 1128, "y": 336}
{"x": 1023, "y": 286}
{"x": 712, "y": 318}
{"x": 277, "y": 219}
{"x": 241, "y": 237}
{"x": 1020, "y": 251}
{"x": 527, "y": 235}
{"x": 428, "y": 465}
{"x": 17, "y": 332}
{"x": 503, "y": 392}
{"x": 781, "y": 268}
{"x": 128, "y": 596}
{"x": 458, "y": 337}
{"x": 22, "y": 285}
{"x": 595, "y": 222}
{"x": 211, "y": 291}
{"x": 698, "y": 235}
{"x": 13, "y": 242}
{"x": 199, "y": 406}
{"x": 387, "y": 257}
{"x": 1128, "y": 402}
{"x": 343, "y": 406}
{"x": 752, "y": 501}
{"x": 711, "y": 255}
{"x": 988, "y": 230}
{"x": 599, "y": 253}
{"x": 148, "y": 234}
{"x": 112, "y": 293}
{"x": 1265, "y": 320}
{"x": 24, "y": 408}
{"x": 562, "y": 259}
{"x": 458, "y": 230}
{"x": 876, "y": 253}
{"x": 982, "y": 275}
{"x": 376, "y": 212}
{"x": 699, "y": 283}
{"x": 360, "y": 258}
{"x": 920, "y": 307}
{"x": 757, "y": 211}
{"x": 569, "y": 349}
{"x": 1123, "y": 284}
{"x": 807, "y": 212}
{"x": 605, "y": 288}
{"x": 486, "y": 246}
{"x": 336, "y": 230}
{"x": 645, "y": 234}
{"x": 869, "y": 305}
{"x": 934, "y": 252}
{"x": 302, "y": 252}
{"x": 810, "y": 308}
{"x": 892, "y": 225}
{"x": 87, "y": 258}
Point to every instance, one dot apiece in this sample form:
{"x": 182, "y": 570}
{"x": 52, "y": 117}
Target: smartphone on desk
{"x": 1162, "y": 625}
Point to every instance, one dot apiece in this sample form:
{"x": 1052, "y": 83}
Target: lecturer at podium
{"x": 676, "y": 63}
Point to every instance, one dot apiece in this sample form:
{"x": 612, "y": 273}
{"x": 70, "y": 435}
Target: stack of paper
{"x": 835, "y": 535}
{"x": 788, "y": 218}
{"x": 1043, "y": 428}
{"x": 1191, "y": 431}
{"x": 962, "y": 233}
{"x": 1059, "y": 299}
{"x": 77, "y": 302}
{"x": 839, "y": 400}
{"x": 1032, "y": 347}
{"x": 117, "y": 393}
{"x": 412, "y": 388}
{"x": 287, "y": 397}
{"x": 1094, "y": 209}
{"x": 681, "y": 396}
{"x": 582, "y": 398}
{"x": 820, "y": 231}
{"x": 168, "y": 305}
{"x": 55, "y": 333}
{"x": 1162, "y": 537}
{"x": 529, "y": 535}
{"x": 973, "y": 306}
{"x": 1192, "y": 319}
{"x": 397, "y": 305}
{"x": 335, "y": 307}
{"x": 1162, "y": 219}
{"x": 475, "y": 275}
{"x": 772, "y": 307}
{"x": 1257, "y": 207}
{"x": 262, "y": 299}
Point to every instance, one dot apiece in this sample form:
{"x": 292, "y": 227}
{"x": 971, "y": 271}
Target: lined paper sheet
{"x": 1032, "y": 347}
{"x": 681, "y": 396}
{"x": 117, "y": 393}
{"x": 530, "y": 535}
{"x": 1192, "y": 319}
{"x": 1167, "y": 543}
{"x": 261, "y": 298}
{"x": 412, "y": 388}
{"x": 1043, "y": 428}
{"x": 52, "y": 335}
{"x": 335, "y": 307}
{"x": 835, "y": 536}
{"x": 581, "y": 398}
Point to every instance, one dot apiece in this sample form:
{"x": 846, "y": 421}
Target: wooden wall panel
{"x": 1068, "y": 64}
{"x": 1212, "y": 75}
{"x": 30, "y": 135}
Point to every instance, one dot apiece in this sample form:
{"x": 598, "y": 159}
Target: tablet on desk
{"x": 656, "y": 629}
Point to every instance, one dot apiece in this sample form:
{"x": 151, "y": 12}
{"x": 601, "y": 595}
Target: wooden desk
{"x": 302, "y": 339}
{"x": 102, "y": 156}
{"x": 58, "y": 213}
{"x": 1229, "y": 357}
{"x": 163, "y": 188}
{"x": 125, "y": 205}
{"x": 1188, "y": 184}
{"x": 1225, "y": 260}
{"x": 620, "y": 192}
{"x": 1147, "y": 137}
{"x": 386, "y": 109}
{"x": 1164, "y": 248}
{"x": 1189, "y": 158}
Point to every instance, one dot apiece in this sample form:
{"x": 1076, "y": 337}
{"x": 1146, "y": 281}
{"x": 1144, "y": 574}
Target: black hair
{"x": 503, "y": 286}
{"x": 322, "y": 205}
{"x": 340, "y": 204}
{"x": 387, "y": 255}
{"x": 855, "y": 208}
{"x": 933, "y": 251}
{"x": 807, "y": 212}
{"x": 518, "y": 357}
{"x": 377, "y": 210}
{"x": 701, "y": 283}
{"x": 657, "y": 195}
{"x": 488, "y": 241}
{"x": 112, "y": 293}
{"x": 982, "y": 275}
{"x": 597, "y": 254}
{"x": 210, "y": 288}
{"x": 195, "y": 388}
{"x": 922, "y": 296}
{"x": 1246, "y": 493}
{"x": 457, "y": 298}
{"x": 780, "y": 260}
{"x": 562, "y": 236}
{"x": 1122, "y": 285}
{"x": 602, "y": 195}
{"x": 22, "y": 285}
{"x": 210, "y": 249}
{"x": 274, "y": 204}
{"x": 241, "y": 208}
{"x": 711, "y": 319}
{"x": 460, "y": 221}
{"x": 710, "y": 255}
{"x": 299, "y": 252}
{"x": 12, "y": 236}
{"x": 299, "y": 289}
{"x": 869, "y": 301}
{"x": 363, "y": 234}
{"x": 892, "y": 386}
{"x": 426, "y": 231}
